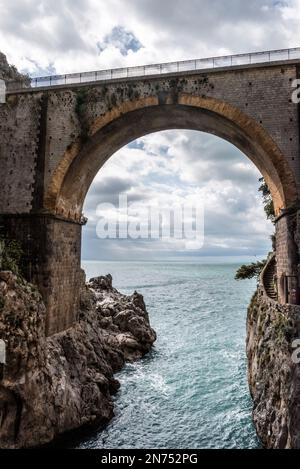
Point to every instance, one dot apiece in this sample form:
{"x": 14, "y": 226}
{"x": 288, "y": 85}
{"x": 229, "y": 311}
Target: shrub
{"x": 10, "y": 255}
{"x": 250, "y": 271}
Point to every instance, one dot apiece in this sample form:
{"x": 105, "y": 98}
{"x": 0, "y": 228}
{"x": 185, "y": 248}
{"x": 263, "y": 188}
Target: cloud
{"x": 200, "y": 157}
{"x": 107, "y": 189}
{"x": 68, "y": 34}
{"x": 175, "y": 168}
{"x": 42, "y": 37}
{"x": 212, "y": 25}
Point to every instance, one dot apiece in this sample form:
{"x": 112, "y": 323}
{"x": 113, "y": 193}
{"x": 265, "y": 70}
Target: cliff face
{"x": 10, "y": 73}
{"x": 274, "y": 376}
{"x": 52, "y": 385}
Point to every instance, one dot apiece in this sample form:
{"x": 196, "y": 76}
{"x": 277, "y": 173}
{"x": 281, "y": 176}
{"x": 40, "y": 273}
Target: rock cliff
{"x": 56, "y": 384}
{"x": 274, "y": 371}
{"x": 10, "y": 73}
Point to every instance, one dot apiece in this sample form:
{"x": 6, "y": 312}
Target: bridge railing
{"x": 160, "y": 69}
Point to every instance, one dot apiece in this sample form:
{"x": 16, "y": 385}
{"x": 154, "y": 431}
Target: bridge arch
{"x": 133, "y": 119}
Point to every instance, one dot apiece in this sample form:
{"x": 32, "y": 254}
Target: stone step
{"x": 269, "y": 281}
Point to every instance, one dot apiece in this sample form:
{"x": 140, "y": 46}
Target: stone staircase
{"x": 268, "y": 279}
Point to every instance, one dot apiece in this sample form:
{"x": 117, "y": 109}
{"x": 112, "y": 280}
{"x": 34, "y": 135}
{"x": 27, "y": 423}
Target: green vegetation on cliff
{"x": 250, "y": 271}
{"x": 10, "y": 255}
{"x": 267, "y": 200}
{"x": 254, "y": 270}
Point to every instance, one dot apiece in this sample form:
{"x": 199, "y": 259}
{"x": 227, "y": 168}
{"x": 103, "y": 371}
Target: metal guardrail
{"x": 160, "y": 69}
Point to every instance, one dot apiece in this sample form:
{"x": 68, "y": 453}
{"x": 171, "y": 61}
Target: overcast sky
{"x": 42, "y": 37}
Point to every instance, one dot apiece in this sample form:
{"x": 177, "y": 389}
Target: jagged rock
{"x": 10, "y": 73}
{"x": 274, "y": 378}
{"x": 56, "y": 384}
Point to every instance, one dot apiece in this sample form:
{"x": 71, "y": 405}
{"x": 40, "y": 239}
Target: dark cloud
{"x": 108, "y": 190}
{"x": 110, "y": 186}
{"x": 44, "y": 23}
{"x": 96, "y": 249}
{"x": 217, "y": 24}
{"x": 211, "y": 158}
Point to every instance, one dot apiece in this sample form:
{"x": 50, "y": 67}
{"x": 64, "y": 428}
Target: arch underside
{"x": 69, "y": 187}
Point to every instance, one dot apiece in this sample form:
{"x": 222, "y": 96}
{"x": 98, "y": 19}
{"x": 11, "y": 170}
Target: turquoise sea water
{"x": 191, "y": 390}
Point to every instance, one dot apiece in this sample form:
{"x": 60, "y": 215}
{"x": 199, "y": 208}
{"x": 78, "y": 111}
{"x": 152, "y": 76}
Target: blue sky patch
{"x": 122, "y": 39}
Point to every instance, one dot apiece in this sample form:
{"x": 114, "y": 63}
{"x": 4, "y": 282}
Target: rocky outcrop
{"x": 274, "y": 371}
{"x": 9, "y": 73}
{"x": 52, "y": 385}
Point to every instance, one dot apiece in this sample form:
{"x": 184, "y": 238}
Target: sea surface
{"x": 191, "y": 391}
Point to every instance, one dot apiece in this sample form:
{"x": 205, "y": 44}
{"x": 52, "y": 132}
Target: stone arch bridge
{"x": 57, "y": 133}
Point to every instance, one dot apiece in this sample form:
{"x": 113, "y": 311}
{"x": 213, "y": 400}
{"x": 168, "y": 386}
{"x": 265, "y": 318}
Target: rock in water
{"x": 52, "y": 385}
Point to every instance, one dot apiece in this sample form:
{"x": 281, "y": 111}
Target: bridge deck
{"x": 238, "y": 61}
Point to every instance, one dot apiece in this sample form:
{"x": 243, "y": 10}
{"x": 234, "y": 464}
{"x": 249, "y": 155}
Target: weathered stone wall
{"x": 63, "y": 274}
{"x": 263, "y": 94}
{"x": 51, "y": 260}
{"x": 288, "y": 254}
{"x": 53, "y": 142}
{"x": 19, "y": 141}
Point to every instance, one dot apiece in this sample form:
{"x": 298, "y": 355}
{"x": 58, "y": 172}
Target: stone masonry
{"x": 54, "y": 141}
